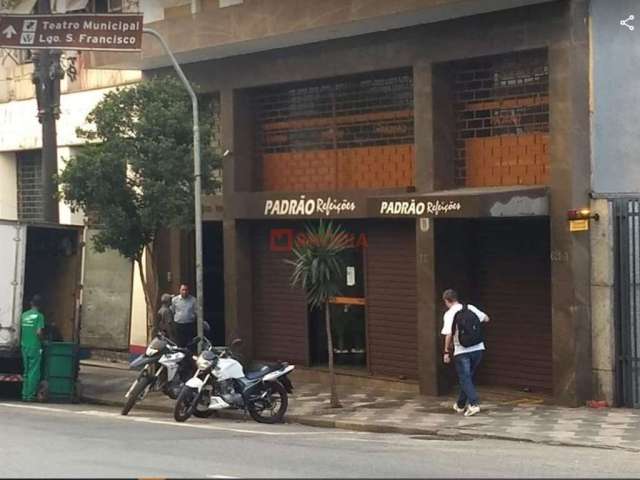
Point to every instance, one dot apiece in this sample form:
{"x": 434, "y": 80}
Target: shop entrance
{"x": 347, "y": 318}
{"x": 503, "y": 267}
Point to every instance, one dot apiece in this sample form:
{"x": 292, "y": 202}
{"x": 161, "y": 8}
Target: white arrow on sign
{"x": 9, "y": 31}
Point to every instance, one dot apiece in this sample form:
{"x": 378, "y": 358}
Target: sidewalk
{"x": 504, "y": 416}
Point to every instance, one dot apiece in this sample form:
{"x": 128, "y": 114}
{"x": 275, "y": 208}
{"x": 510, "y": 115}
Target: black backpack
{"x": 469, "y": 327}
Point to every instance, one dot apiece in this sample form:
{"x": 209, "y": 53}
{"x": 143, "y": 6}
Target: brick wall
{"x": 502, "y": 120}
{"x": 336, "y": 134}
{"x": 340, "y": 169}
{"x": 507, "y": 160}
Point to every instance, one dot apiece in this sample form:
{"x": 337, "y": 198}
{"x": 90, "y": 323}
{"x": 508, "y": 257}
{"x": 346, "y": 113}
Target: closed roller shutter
{"x": 391, "y": 299}
{"x": 280, "y": 311}
{"x": 513, "y": 285}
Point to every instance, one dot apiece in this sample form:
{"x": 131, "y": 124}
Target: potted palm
{"x": 319, "y": 269}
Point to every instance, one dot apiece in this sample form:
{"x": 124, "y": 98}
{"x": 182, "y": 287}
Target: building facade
{"x": 451, "y": 140}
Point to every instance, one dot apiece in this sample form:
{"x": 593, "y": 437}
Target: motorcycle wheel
{"x": 134, "y": 396}
{"x": 202, "y": 413}
{"x": 185, "y": 404}
{"x": 272, "y": 407}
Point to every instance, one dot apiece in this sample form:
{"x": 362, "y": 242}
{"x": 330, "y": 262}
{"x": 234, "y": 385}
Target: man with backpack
{"x": 462, "y": 324}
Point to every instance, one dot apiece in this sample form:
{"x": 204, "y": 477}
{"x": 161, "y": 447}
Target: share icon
{"x": 625, "y": 23}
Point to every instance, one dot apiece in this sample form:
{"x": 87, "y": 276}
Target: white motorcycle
{"x": 220, "y": 383}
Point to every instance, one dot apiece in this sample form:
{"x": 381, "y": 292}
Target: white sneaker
{"x": 457, "y": 409}
{"x": 472, "y": 410}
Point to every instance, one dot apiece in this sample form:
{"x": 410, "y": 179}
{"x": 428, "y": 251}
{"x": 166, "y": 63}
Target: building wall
{"x": 260, "y": 25}
{"x": 615, "y": 64}
{"x": 602, "y": 302}
{"x": 561, "y": 29}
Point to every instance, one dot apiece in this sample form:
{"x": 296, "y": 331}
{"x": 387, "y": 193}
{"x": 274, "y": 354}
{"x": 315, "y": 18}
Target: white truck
{"x": 42, "y": 259}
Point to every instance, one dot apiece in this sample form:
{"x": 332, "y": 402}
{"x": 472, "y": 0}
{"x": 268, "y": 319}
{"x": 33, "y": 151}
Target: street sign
{"x": 72, "y": 32}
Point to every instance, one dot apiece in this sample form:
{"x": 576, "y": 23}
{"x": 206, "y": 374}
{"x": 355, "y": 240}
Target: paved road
{"x": 88, "y": 441}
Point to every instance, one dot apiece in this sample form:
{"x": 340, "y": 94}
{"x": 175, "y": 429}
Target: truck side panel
{"x": 13, "y": 240}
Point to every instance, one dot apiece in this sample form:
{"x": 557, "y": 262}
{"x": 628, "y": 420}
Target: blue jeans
{"x": 466, "y": 366}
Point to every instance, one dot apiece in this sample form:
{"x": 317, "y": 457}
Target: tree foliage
{"x": 136, "y": 173}
{"x": 318, "y": 265}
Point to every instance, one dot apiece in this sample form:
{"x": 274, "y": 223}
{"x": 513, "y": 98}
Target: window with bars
{"x": 30, "y": 198}
{"x": 501, "y": 106}
{"x": 339, "y": 133}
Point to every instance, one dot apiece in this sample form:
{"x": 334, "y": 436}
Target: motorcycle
{"x": 220, "y": 383}
{"x": 165, "y": 368}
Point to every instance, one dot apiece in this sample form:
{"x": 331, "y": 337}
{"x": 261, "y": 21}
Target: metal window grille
{"x": 499, "y": 95}
{"x": 362, "y": 111}
{"x": 30, "y": 199}
{"x": 627, "y": 294}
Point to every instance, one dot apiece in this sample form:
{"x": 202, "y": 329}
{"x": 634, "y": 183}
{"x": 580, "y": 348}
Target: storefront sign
{"x": 308, "y": 207}
{"x": 417, "y": 208}
{"x": 72, "y": 32}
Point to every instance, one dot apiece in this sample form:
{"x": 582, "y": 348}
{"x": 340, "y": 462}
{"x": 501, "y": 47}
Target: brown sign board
{"x": 463, "y": 203}
{"x": 122, "y": 32}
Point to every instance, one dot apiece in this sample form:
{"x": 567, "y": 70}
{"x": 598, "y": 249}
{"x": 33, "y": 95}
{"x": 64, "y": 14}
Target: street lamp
{"x": 197, "y": 174}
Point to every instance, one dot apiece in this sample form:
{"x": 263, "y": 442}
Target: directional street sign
{"x": 72, "y": 32}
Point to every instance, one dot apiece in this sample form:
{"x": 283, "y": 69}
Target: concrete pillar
{"x": 570, "y": 185}
{"x": 236, "y": 235}
{"x": 428, "y": 358}
{"x": 602, "y": 302}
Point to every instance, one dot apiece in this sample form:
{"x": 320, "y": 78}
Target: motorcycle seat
{"x": 264, "y": 369}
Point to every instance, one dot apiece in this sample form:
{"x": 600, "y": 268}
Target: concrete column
{"x": 236, "y": 235}
{"x": 570, "y": 184}
{"x": 428, "y": 361}
{"x": 602, "y": 303}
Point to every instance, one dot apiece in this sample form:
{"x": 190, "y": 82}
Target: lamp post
{"x": 197, "y": 173}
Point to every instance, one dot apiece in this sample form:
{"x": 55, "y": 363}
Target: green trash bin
{"x": 60, "y": 370}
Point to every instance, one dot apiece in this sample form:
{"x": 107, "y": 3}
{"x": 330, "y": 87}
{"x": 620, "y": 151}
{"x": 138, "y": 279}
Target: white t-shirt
{"x": 447, "y": 328}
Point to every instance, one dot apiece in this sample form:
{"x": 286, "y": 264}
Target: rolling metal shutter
{"x": 280, "y": 311}
{"x": 514, "y": 288}
{"x": 392, "y": 300}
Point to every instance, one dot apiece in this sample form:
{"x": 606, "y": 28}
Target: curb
{"x": 450, "y": 434}
{"x": 100, "y": 364}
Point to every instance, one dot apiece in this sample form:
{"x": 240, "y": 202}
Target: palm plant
{"x": 318, "y": 268}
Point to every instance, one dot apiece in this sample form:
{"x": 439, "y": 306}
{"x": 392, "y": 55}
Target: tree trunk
{"x": 335, "y": 402}
{"x": 149, "y": 294}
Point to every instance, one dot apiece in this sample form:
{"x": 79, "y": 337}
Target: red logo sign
{"x": 283, "y": 239}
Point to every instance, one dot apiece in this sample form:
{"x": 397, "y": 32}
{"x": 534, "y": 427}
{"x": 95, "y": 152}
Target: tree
{"x": 135, "y": 175}
{"x": 318, "y": 268}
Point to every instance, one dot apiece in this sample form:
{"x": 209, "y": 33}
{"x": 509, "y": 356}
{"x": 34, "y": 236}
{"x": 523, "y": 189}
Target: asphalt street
{"x": 89, "y": 441}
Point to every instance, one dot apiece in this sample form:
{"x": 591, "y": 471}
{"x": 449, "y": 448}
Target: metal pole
{"x": 197, "y": 172}
{"x": 46, "y": 76}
